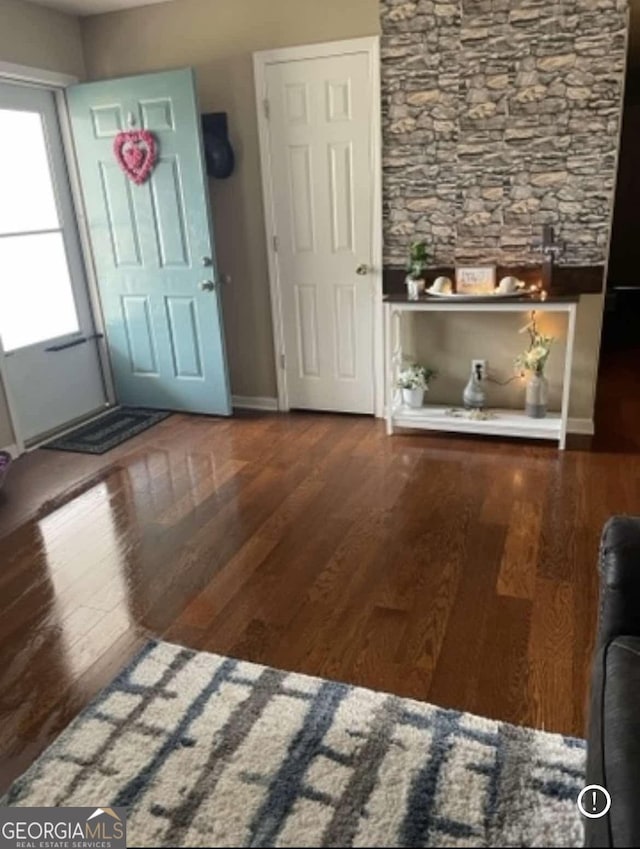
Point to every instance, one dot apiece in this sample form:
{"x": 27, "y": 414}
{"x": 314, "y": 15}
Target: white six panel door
{"x": 320, "y": 127}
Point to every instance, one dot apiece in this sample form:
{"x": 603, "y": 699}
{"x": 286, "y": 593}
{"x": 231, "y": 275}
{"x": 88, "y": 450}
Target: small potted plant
{"x": 413, "y": 381}
{"x": 534, "y": 360}
{"x": 416, "y": 267}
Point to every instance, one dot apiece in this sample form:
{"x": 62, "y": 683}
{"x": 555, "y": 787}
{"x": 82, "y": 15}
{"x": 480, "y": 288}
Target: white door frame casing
{"x": 57, "y": 83}
{"x": 85, "y": 245}
{"x": 11, "y": 72}
{"x": 261, "y": 60}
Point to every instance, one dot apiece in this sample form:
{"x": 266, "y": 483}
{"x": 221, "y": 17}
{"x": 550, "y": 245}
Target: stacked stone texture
{"x": 499, "y": 117}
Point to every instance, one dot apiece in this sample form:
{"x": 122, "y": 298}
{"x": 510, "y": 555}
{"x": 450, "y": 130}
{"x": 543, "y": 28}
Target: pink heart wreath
{"x": 136, "y": 152}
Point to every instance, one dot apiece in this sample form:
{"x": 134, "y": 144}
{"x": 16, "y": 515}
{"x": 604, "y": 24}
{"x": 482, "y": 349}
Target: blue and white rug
{"x": 208, "y": 751}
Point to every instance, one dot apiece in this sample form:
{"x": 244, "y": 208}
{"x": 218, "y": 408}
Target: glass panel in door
{"x": 33, "y": 259}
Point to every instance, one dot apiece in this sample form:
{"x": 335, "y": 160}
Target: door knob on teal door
{"x": 208, "y": 285}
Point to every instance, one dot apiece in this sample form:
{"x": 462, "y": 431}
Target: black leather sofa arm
{"x": 613, "y": 751}
{"x": 619, "y": 579}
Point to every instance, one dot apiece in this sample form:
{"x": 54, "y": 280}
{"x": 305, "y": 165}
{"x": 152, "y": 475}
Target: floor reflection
{"x": 85, "y": 552}
{"x": 67, "y": 623}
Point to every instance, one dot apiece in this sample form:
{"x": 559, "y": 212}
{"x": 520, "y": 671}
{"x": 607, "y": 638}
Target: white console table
{"x": 503, "y": 422}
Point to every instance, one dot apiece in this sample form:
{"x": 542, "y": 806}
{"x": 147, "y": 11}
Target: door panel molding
{"x": 125, "y": 241}
{"x": 307, "y": 329}
{"x": 303, "y": 236}
{"x": 338, "y": 106}
{"x": 106, "y": 121}
{"x": 136, "y": 316}
{"x": 342, "y": 211}
{"x": 167, "y": 204}
{"x": 345, "y": 304}
{"x": 185, "y": 346}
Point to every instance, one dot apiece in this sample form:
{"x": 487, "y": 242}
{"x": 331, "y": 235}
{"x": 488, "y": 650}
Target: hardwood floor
{"x": 458, "y": 571}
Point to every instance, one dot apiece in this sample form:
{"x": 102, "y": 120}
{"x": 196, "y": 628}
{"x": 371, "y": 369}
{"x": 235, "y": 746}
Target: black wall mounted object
{"x": 217, "y": 147}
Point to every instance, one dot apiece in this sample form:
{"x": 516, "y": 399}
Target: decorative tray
{"x": 452, "y": 296}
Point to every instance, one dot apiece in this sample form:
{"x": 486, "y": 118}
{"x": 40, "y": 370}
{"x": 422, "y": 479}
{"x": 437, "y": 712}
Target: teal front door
{"x": 152, "y": 242}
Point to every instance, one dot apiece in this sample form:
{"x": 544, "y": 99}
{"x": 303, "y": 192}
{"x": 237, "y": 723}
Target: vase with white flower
{"x": 533, "y": 361}
{"x": 413, "y": 381}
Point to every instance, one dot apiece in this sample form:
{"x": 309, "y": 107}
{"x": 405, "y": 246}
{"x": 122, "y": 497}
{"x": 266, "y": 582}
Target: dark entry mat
{"x": 104, "y": 434}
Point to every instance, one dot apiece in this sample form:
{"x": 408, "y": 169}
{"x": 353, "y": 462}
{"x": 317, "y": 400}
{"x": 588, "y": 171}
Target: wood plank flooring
{"x": 453, "y": 570}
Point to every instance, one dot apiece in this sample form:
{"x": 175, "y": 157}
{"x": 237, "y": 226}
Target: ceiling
{"x": 95, "y": 7}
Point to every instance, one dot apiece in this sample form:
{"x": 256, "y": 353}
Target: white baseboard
{"x": 250, "y": 402}
{"x": 12, "y": 449}
{"x": 582, "y": 426}
{"x": 254, "y": 402}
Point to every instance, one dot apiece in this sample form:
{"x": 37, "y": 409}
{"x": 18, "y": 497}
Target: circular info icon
{"x": 594, "y": 801}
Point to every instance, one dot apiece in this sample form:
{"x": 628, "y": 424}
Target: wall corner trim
{"x": 581, "y": 426}
{"x": 11, "y": 449}
{"x": 255, "y": 402}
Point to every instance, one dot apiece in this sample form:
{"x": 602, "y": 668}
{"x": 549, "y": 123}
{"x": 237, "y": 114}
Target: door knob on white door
{"x": 207, "y": 285}
{"x": 362, "y": 269}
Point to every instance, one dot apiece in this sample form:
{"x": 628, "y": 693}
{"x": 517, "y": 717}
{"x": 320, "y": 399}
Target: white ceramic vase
{"x": 413, "y": 397}
{"x": 474, "y": 396}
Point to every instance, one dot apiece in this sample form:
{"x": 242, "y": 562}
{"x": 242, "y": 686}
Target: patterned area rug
{"x": 209, "y": 751}
{"x": 105, "y": 433}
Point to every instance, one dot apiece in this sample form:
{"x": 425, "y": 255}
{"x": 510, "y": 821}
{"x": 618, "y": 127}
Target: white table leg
{"x": 566, "y": 379}
{"x": 388, "y": 368}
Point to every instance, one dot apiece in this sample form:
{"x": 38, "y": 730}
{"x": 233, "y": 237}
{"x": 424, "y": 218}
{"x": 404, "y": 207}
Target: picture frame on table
{"x": 475, "y": 279}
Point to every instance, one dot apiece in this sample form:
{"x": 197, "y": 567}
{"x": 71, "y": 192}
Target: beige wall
{"x": 217, "y": 37}
{"x": 42, "y": 38}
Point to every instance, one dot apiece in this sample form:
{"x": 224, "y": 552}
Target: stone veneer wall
{"x": 499, "y": 117}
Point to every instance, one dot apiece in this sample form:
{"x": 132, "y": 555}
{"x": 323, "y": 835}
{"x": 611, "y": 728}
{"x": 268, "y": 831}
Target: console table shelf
{"x": 502, "y": 422}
